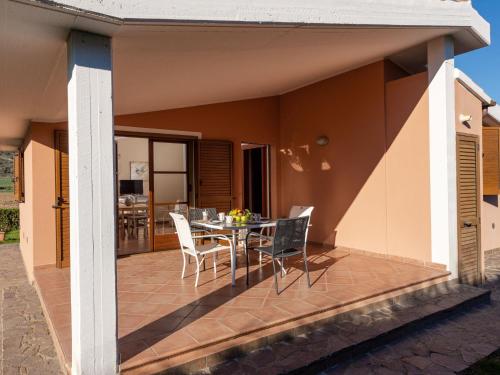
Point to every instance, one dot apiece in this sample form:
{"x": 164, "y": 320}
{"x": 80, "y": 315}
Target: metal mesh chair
{"x": 295, "y": 211}
{"x": 289, "y": 240}
{"x": 197, "y": 213}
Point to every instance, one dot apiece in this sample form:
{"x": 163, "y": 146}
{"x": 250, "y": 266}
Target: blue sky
{"x": 483, "y": 65}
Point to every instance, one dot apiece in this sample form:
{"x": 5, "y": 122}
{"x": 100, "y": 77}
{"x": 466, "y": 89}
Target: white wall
{"x": 131, "y": 149}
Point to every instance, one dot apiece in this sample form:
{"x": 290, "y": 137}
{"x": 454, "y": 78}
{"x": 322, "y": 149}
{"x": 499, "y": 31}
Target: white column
{"x": 442, "y": 140}
{"x": 92, "y": 205}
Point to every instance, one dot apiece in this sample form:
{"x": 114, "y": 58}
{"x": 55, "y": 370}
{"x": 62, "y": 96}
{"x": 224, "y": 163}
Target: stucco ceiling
{"x": 169, "y": 66}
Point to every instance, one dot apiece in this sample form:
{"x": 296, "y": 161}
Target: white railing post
{"x": 442, "y": 149}
{"x": 92, "y": 205}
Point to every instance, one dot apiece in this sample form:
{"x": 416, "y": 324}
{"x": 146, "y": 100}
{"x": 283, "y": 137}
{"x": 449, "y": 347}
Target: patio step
{"x": 329, "y": 341}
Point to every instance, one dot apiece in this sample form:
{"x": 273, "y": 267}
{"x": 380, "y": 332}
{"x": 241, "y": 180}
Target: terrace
{"x": 165, "y": 322}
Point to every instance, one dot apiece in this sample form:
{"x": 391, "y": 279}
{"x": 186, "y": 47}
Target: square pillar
{"x": 442, "y": 149}
{"x": 92, "y": 205}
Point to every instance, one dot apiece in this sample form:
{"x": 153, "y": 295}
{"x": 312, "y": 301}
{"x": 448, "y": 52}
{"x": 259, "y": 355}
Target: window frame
{"x": 18, "y": 177}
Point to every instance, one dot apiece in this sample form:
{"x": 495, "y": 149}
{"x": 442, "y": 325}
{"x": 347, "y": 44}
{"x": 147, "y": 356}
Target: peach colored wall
{"x": 365, "y": 195}
{"x": 38, "y": 231}
{"x": 358, "y": 183}
{"x": 249, "y": 121}
{"x": 490, "y": 223}
{"x": 254, "y": 121}
{"x": 343, "y": 180}
{"x": 407, "y": 165}
{"x": 466, "y": 103}
{"x": 490, "y": 218}
{"x": 26, "y": 213}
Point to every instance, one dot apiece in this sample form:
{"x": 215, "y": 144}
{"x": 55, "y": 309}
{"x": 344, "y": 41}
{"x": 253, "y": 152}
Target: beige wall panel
{"x": 408, "y": 195}
{"x": 344, "y": 180}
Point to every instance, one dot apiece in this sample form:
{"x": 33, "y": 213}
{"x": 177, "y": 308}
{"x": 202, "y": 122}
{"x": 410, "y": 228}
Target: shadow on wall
{"x": 350, "y": 110}
{"x": 491, "y": 199}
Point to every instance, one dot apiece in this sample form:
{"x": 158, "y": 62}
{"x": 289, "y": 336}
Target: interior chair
{"x": 140, "y": 219}
{"x": 199, "y": 252}
{"x": 289, "y": 240}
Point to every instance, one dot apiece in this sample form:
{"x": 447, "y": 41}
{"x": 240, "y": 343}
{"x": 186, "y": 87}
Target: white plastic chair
{"x": 199, "y": 252}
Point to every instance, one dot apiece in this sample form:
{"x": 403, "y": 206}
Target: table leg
{"x": 233, "y": 257}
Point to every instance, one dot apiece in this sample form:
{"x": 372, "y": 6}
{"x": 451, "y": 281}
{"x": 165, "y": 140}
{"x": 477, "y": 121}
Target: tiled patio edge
{"x": 435, "y": 266}
{"x": 53, "y": 333}
{"x": 210, "y": 354}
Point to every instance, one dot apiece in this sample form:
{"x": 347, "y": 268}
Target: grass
{"x": 6, "y": 185}
{"x": 487, "y": 366}
{"x": 11, "y": 237}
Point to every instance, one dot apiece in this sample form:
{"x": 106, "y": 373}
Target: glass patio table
{"x": 235, "y": 229}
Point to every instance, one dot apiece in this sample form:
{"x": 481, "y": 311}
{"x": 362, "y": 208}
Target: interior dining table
{"x": 130, "y": 210}
{"x": 235, "y": 228}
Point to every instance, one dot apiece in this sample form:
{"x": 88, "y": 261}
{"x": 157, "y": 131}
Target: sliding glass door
{"x": 170, "y": 180}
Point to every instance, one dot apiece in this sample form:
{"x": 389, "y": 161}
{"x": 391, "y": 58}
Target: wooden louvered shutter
{"x": 18, "y": 178}
{"x": 61, "y": 205}
{"x": 469, "y": 232}
{"x": 215, "y": 175}
{"x": 491, "y": 161}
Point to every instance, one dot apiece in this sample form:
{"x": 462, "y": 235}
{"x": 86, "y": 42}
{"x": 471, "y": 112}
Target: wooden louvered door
{"x": 468, "y": 194}
{"x": 215, "y": 175}
{"x": 61, "y": 205}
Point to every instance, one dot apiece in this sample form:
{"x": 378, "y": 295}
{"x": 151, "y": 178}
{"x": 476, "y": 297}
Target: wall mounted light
{"x": 322, "y": 140}
{"x": 465, "y": 119}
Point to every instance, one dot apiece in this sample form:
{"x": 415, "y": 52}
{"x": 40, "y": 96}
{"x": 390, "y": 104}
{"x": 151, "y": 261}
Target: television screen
{"x": 131, "y": 187}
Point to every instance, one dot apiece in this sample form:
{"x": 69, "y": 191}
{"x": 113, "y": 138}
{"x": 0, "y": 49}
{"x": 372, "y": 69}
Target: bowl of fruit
{"x": 240, "y": 216}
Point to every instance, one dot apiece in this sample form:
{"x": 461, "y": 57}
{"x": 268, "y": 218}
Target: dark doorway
{"x": 256, "y": 178}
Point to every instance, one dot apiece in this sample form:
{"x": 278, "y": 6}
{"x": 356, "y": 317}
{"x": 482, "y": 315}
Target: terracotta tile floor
{"x": 161, "y": 315}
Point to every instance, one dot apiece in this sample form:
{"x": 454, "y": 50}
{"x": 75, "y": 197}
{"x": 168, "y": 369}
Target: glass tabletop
{"x": 222, "y": 225}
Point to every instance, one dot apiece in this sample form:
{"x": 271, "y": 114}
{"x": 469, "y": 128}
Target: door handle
{"x": 59, "y": 202}
{"x": 467, "y": 224}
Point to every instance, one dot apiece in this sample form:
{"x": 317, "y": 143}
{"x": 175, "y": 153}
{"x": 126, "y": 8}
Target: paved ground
{"x": 444, "y": 348}
{"x": 25, "y": 343}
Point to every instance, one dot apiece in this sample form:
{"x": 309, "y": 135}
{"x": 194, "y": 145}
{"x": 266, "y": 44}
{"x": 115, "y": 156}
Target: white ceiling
{"x": 162, "y": 67}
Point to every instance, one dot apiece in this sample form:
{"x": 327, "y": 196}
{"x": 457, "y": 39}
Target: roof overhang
{"x": 386, "y": 13}
{"x": 474, "y": 88}
{"x": 181, "y": 53}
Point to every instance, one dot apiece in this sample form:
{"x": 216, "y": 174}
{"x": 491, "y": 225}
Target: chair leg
{"x": 215, "y": 263}
{"x": 183, "y": 264}
{"x": 282, "y": 268}
{"x": 248, "y": 260}
{"x": 197, "y": 271}
{"x": 306, "y": 268}
{"x": 275, "y": 277}
{"x": 260, "y": 258}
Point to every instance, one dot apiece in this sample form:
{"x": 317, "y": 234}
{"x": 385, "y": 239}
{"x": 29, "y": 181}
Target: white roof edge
{"x": 480, "y": 27}
{"x": 341, "y": 13}
{"x": 494, "y": 113}
{"x": 473, "y": 87}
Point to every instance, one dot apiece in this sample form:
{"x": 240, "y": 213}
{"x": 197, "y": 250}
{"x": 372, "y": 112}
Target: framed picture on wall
{"x": 139, "y": 170}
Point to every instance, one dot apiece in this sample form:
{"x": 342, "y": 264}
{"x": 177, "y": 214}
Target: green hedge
{"x": 9, "y": 219}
